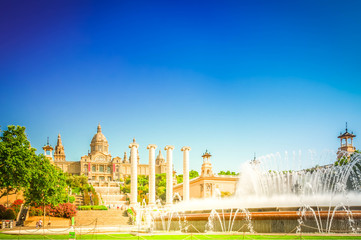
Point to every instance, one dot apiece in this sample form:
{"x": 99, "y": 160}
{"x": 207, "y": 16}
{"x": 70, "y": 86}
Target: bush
{"x": 2, "y": 211}
{"x": 66, "y": 210}
{"x": 17, "y": 202}
{"x": 98, "y": 207}
{"x": 36, "y": 211}
{"x": 9, "y": 214}
{"x": 85, "y": 208}
{"x": 95, "y": 197}
{"x": 86, "y": 198}
{"x": 71, "y": 199}
{"x": 16, "y": 205}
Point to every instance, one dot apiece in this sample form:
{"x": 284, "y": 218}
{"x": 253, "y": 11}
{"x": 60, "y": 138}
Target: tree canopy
{"x": 192, "y": 174}
{"x": 17, "y": 160}
{"x": 21, "y": 169}
{"x": 228, "y": 173}
{"x": 48, "y": 184}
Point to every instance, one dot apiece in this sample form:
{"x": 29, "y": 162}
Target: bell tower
{"x": 346, "y": 140}
{"x": 48, "y": 151}
{"x": 207, "y": 165}
{"x": 59, "y": 154}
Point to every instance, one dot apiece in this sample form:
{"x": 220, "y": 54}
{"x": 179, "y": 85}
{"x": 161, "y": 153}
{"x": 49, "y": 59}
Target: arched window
{"x": 117, "y": 169}
{"x": 85, "y": 167}
{"x": 101, "y": 168}
{"x": 108, "y": 169}
{"x": 93, "y": 169}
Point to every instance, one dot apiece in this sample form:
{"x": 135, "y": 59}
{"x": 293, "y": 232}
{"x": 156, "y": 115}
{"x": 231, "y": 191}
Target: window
{"x": 109, "y": 179}
{"x": 117, "y": 169}
{"x": 93, "y": 169}
{"x": 101, "y": 178}
{"x": 101, "y": 169}
{"x": 108, "y": 169}
{"x": 85, "y": 167}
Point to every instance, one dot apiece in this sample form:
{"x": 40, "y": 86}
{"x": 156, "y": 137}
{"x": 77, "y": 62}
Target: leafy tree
{"x": 228, "y": 173}
{"x": 161, "y": 185}
{"x": 180, "y": 178}
{"x": 143, "y": 187}
{"x": 47, "y": 185}
{"x": 192, "y": 174}
{"x": 78, "y": 184}
{"x": 17, "y": 160}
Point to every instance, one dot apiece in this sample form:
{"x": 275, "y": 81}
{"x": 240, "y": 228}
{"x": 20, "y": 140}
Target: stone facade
{"x": 101, "y": 168}
{"x": 207, "y": 184}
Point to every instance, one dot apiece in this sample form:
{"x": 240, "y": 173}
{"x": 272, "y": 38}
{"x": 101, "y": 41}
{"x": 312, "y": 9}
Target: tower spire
{"x": 346, "y": 127}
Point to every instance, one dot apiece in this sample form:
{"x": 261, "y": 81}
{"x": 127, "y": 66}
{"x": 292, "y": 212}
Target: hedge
{"x": 95, "y": 207}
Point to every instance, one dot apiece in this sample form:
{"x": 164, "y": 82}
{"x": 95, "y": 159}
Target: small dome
{"x": 99, "y": 137}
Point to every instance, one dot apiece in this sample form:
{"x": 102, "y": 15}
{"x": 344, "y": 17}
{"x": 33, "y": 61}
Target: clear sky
{"x": 233, "y": 77}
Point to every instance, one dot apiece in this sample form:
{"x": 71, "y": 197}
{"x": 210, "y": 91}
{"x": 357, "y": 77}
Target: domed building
{"x": 104, "y": 172}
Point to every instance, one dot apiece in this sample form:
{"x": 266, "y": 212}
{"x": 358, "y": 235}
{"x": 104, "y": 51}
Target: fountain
{"x": 321, "y": 199}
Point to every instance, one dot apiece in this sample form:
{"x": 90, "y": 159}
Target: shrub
{"x": 36, "y": 211}
{"x": 98, "y": 207}
{"x": 95, "y": 197}
{"x": 66, "y": 210}
{"x": 16, "y": 205}
{"x": 86, "y": 198}
{"x": 2, "y": 211}
{"x": 9, "y": 214}
{"x": 71, "y": 199}
{"x": 84, "y": 208}
{"x": 17, "y": 202}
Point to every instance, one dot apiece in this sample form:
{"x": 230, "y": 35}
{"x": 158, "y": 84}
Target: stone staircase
{"x": 111, "y": 217}
{"x": 79, "y": 200}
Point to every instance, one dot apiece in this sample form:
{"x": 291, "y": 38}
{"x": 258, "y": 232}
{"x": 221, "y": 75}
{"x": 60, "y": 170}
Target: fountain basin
{"x": 262, "y": 221}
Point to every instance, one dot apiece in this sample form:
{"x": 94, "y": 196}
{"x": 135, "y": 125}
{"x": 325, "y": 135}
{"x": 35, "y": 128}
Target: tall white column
{"x": 169, "y": 172}
{"x": 151, "y": 148}
{"x": 134, "y": 173}
{"x": 186, "y": 173}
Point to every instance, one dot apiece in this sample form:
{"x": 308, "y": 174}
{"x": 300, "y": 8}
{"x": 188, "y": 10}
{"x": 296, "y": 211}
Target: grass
{"x": 175, "y": 237}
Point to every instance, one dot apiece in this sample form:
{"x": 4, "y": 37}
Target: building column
{"x": 151, "y": 148}
{"x": 169, "y": 172}
{"x": 134, "y": 174}
{"x": 186, "y": 173}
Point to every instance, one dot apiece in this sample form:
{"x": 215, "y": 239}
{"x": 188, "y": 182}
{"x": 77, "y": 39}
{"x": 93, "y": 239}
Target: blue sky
{"x": 233, "y": 77}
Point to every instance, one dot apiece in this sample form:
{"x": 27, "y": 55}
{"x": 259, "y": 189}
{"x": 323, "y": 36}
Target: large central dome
{"x": 99, "y": 143}
{"x": 99, "y": 136}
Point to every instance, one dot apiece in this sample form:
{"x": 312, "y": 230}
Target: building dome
{"x": 99, "y": 142}
{"x": 99, "y": 136}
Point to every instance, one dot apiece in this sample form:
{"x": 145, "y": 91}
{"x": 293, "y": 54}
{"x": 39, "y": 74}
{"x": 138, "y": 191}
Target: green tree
{"x": 228, "y": 173}
{"x": 193, "y": 174}
{"x": 161, "y": 184}
{"x": 47, "y": 185}
{"x": 17, "y": 160}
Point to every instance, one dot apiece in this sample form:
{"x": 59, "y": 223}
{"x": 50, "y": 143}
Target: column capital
{"x": 151, "y": 146}
{"x": 134, "y": 144}
{"x": 186, "y": 148}
{"x": 170, "y": 147}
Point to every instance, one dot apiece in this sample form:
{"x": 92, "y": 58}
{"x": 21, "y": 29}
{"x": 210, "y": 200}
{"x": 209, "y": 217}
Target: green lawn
{"x": 173, "y": 237}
